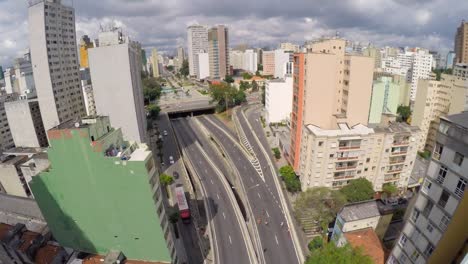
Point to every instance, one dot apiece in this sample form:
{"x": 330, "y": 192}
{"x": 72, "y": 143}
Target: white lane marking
{"x": 276, "y": 238}
{"x": 267, "y": 213}
{"x": 211, "y": 181}
{"x": 217, "y": 196}
{"x": 224, "y": 215}
{"x": 230, "y": 240}
{"x": 251, "y": 179}
{"x": 259, "y": 195}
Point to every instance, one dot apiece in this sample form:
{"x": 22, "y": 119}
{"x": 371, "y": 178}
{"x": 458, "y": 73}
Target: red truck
{"x": 184, "y": 209}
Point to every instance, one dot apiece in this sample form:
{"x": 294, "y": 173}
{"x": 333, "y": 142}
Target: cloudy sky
{"x": 161, "y": 23}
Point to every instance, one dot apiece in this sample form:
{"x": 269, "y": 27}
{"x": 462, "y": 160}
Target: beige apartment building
{"x": 435, "y": 99}
{"x": 268, "y": 59}
{"x": 330, "y": 87}
{"x": 218, "y": 50}
{"x": 461, "y": 43}
{"x": 383, "y": 154}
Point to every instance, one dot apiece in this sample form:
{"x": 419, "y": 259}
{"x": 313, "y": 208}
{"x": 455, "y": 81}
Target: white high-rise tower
{"x": 197, "y": 41}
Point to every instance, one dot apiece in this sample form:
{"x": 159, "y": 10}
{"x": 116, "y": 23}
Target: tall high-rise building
{"x": 203, "y": 67}
{"x": 461, "y": 43}
{"x": 268, "y": 59}
{"x": 116, "y": 77}
{"x": 197, "y": 41}
{"x": 143, "y": 60}
{"x": 330, "y": 86}
{"x": 85, "y": 44}
{"x": 1, "y": 73}
{"x": 155, "y": 62}
{"x": 450, "y": 60}
{"x": 250, "y": 62}
{"x": 218, "y": 50}
{"x": 6, "y": 138}
{"x": 55, "y": 61}
{"x": 436, "y": 229}
{"x": 434, "y": 100}
{"x": 375, "y": 53}
{"x": 288, "y": 46}
{"x": 282, "y": 58}
{"x": 180, "y": 58}
{"x": 102, "y": 193}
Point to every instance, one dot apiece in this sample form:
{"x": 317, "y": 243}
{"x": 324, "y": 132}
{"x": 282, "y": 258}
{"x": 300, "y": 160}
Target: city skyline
{"x": 413, "y": 23}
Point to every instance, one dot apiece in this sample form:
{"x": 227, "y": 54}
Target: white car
{"x": 165, "y": 132}
{"x": 171, "y": 160}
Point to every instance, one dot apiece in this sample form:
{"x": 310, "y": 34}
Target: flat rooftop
{"x": 96, "y": 259}
{"x": 344, "y": 130}
{"x": 23, "y": 151}
{"x": 396, "y": 127}
{"x": 20, "y": 206}
{"x": 140, "y": 154}
{"x": 358, "y": 211}
{"x": 460, "y": 119}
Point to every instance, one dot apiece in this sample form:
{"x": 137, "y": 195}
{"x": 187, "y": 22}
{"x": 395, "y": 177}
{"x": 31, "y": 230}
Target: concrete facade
{"x": 19, "y": 79}
{"x": 85, "y": 44}
{"x": 329, "y": 86}
{"x": 197, "y": 41}
{"x": 436, "y": 99}
{"x": 52, "y": 38}
{"x": 288, "y": 46}
{"x": 155, "y": 62}
{"x": 116, "y": 77}
{"x": 282, "y": 57}
{"x": 436, "y": 229}
{"x": 278, "y": 100}
{"x": 25, "y": 122}
{"x": 6, "y": 138}
{"x": 218, "y": 51}
{"x": 383, "y": 155}
{"x": 88, "y": 93}
{"x": 388, "y": 92}
{"x": 250, "y": 62}
{"x": 236, "y": 59}
{"x": 203, "y": 68}
{"x": 113, "y": 198}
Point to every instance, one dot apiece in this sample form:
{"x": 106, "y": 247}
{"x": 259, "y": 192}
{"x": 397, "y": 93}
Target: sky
{"x": 160, "y": 23}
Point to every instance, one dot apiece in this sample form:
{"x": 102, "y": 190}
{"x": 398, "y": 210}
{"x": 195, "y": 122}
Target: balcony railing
{"x": 397, "y": 161}
{"x": 401, "y": 143}
{"x": 346, "y": 167}
{"x": 347, "y": 158}
{"x": 348, "y": 147}
{"x": 399, "y": 153}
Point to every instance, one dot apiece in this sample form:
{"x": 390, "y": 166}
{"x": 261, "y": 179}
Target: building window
{"x": 415, "y": 215}
{"x": 320, "y": 143}
{"x": 460, "y": 187}
{"x": 430, "y": 227}
{"x": 429, "y": 249}
{"x": 444, "y": 222}
{"x": 458, "y": 159}
{"x": 403, "y": 258}
{"x": 403, "y": 240}
{"x": 331, "y": 155}
{"x": 442, "y": 173}
{"x": 368, "y": 160}
{"x": 426, "y": 186}
{"x": 415, "y": 255}
{"x": 443, "y": 198}
{"x": 438, "y": 151}
{"x": 428, "y": 208}
{"x": 443, "y": 128}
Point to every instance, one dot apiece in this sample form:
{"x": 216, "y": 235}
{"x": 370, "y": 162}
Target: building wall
{"x": 85, "y": 44}
{"x": 371, "y": 222}
{"x": 268, "y": 59}
{"x": 385, "y": 98}
{"x": 250, "y": 61}
{"x": 298, "y": 104}
{"x": 237, "y": 59}
{"x": 108, "y": 203}
{"x": 278, "y": 100}
{"x": 218, "y": 50}
{"x": 118, "y": 93}
{"x": 281, "y": 58}
{"x": 10, "y": 180}
{"x": 55, "y": 62}
{"x": 6, "y": 138}
{"x": 25, "y": 123}
{"x": 155, "y": 62}
{"x": 203, "y": 65}
{"x": 197, "y": 41}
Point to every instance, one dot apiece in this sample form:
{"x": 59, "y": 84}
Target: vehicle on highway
{"x": 171, "y": 160}
{"x": 176, "y": 175}
{"x": 184, "y": 210}
{"x": 165, "y": 132}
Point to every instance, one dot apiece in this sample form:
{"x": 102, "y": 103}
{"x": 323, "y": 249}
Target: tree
{"x": 404, "y": 112}
{"x": 319, "y": 204}
{"x": 254, "y": 86}
{"x": 358, "y": 190}
{"x": 222, "y": 92}
{"x": 244, "y": 85}
{"x": 338, "y": 255}
{"x": 315, "y": 243}
{"x": 389, "y": 189}
{"x": 166, "y": 179}
{"x": 170, "y": 68}
{"x": 174, "y": 216}
{"x": 246, "y": 76}
{"x": 184, "y": 70}
{"x": 260, "y": 67}
{"x": 153, "y": 111}
{"x": 277, "y": 153}
{"x": 229, "y": 79}
{"x": 290, "y": 179}
{"x": 263, "y": 94}
{"x": 150, "y": 94}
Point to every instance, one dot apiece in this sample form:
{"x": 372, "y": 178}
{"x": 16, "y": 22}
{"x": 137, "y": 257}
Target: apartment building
{"x": 6, "y": 138}
{"x": 461, "y": 43}
{"x": 388, "y": 92}
{"x": 88, "y": 93}
{"x": 203, "y": 68}
{"x": 329, "y": 85}
{"x": 450, "y": 59}
{"x": 268, "y": 59}
{"x": 436, "y": 99}
{"x": 236, "y": 59}
{"x": 19, "y": 79}
{"x": 155, "y": 62}
{"x": 180, "y": 58}
{"x": 218, "y": 51}
{"x": 461, "y": 70}
{"x": 375, "y": 53}
{"x": 332, "y": 157}
{"x": 52, "y": 38}
{"x": 116, "y": 77}
{"x": 114, "y": 200}
{"x": 436, "y": 229}
{"x": 291, "y": 47}
{"x": 25, "y": 123}
{"x": 250, "y": 62}
{"x": 197, "y": 41}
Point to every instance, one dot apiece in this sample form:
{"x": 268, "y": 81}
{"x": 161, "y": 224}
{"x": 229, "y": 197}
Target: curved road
{"x": 228, "y": 236}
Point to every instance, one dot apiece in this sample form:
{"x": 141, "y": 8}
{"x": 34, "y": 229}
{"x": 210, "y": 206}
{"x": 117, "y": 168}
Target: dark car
{"x": 175, "y": 174}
